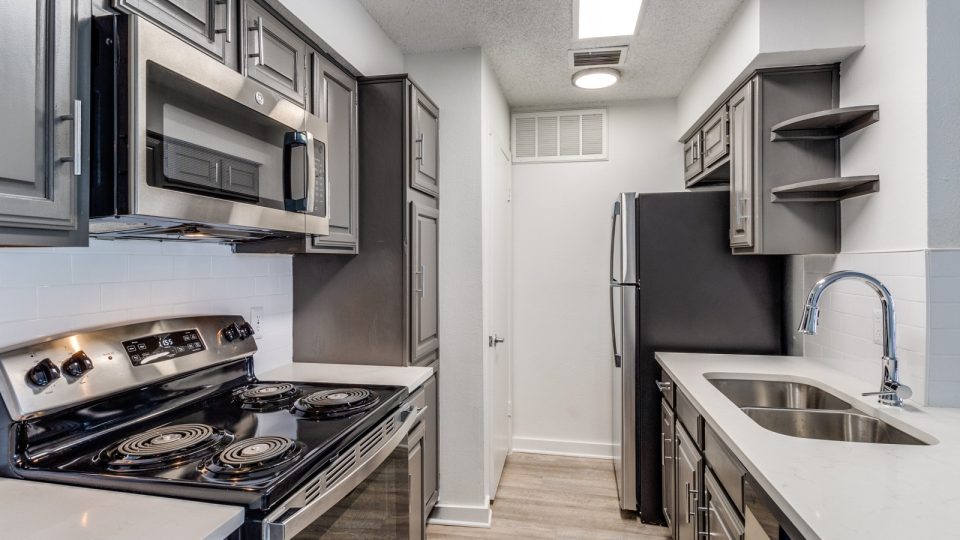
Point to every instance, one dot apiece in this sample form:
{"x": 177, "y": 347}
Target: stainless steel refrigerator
{"x": 675, "y": 286}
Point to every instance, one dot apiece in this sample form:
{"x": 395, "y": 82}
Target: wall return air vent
{"x": 560, "y": 136}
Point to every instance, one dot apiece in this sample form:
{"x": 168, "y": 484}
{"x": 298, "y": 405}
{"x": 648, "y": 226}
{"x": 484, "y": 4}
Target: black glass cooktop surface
{"x": 251, "y": 445}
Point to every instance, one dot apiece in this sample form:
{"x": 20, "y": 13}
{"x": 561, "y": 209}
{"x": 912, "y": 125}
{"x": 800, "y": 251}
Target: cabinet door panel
{"x": 688, "y": 493}
{"x": 424, "y": 230}
{"x": 275, "y": 56}
{"x": 742, "y": 170}
{"x": 424, "y": 143}
{"x": 37, "y": 107}
{"x": 207, "y": 24}
{"x": 715, "y": 144}
{"x": 692, "y": 162}
{"x": 415, "y": 473}
{"x": 668, "y": 465}
{"x": 719, "y": 518}
{"x": 334, "y": 96}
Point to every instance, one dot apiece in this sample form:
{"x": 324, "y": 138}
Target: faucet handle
{"x": 901, "y": 391}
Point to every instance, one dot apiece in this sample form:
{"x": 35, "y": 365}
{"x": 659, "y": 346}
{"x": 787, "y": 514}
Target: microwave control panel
{"x": 160, "y": 347}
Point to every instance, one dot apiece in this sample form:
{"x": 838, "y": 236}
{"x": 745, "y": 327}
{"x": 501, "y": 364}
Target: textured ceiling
{"x": 527, "y": 43}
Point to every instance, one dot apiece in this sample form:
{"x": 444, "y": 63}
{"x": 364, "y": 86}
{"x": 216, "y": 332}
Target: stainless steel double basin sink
{"x": 803, "y": 410}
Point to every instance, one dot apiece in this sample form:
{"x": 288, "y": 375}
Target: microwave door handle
{"x": 295, "y": 150}
{"x": 311, "y": 180}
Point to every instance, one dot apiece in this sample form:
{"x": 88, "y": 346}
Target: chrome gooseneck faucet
{"x": 891, "y": 391}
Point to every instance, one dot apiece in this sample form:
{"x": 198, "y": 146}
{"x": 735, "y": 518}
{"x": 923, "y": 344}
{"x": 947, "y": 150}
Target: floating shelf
{"x": 826, "y": 189}
{"x": 829, "y": 124}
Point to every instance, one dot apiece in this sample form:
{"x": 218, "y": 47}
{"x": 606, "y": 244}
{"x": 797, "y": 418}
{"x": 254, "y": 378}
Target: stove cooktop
{"x": 251, "y": 445}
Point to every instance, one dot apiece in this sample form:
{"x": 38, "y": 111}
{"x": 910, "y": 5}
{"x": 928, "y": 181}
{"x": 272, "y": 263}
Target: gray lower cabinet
{"x": 720, "y": 520}
{"x": 209, "y": 25}
{"x": 274, "y": 55}
{"x": 424, "y": 143}
{"x": 431, "y": 440}
{"x": 43, "y": 106}
{"x": 334, "y": 99}
{"x": 415, "y": 472}
{"x": 688, "y": 485}
{"x": 667, "y": 464}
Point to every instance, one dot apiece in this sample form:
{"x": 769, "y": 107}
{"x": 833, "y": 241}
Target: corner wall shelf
{"x": 829, "y": 124}
{"x": 826, "y": 189}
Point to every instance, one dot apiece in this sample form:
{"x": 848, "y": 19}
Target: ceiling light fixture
{"x": 605, "y": 18}
{"x": 594, "y": 78}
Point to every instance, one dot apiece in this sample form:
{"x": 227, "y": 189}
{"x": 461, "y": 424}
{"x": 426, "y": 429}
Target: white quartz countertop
{"x": 42, "y": 511}
{"x": 411, "y": 377}
{"x": 829, "y": 489}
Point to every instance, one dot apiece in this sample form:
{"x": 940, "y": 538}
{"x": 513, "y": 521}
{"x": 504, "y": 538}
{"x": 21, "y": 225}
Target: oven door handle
{"x": 292, "y": 518}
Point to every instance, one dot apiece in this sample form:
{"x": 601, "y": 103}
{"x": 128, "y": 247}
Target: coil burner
{"x": 252, "y": 459}
{"x": 268, "y": 397}
{"x": 336, "y": 403}
{"x": 164, "y": 447}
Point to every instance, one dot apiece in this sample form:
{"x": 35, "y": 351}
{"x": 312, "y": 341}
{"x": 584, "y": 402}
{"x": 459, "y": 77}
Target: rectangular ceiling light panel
{"x": 605, "y": 18}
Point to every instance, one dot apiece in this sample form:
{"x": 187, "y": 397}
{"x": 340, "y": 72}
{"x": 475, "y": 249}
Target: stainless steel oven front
{"x": 182, "y": 140}
{"x": 371, "y": 491}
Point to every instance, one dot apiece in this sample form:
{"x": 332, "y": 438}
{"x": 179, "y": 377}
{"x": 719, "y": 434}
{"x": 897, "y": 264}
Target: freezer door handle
{"x": 615, "y": 219}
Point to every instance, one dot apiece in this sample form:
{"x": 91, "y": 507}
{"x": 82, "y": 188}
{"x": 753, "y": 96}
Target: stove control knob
{"x": 43, "y": 373}
{"x": 245, "y": 330}
{"x": 78, "y": 364}
{"x": 231, "y": 332}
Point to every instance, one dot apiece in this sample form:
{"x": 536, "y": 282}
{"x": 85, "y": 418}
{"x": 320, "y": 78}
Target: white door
{"x": 498, "y": 249}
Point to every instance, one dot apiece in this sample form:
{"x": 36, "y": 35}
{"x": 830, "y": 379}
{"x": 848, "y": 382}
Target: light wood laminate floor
{"x": 555, "y": 497}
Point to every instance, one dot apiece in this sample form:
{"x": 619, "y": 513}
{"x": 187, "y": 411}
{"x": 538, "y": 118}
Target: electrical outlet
{"x": 877, "y": 327}
{"x": 256, "y": 321}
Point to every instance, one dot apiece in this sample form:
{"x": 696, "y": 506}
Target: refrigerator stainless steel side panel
{"x": 623, "y": 312}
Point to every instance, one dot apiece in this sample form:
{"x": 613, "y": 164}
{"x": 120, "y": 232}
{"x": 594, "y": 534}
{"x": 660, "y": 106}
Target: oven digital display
{"x": 161, "y": 347}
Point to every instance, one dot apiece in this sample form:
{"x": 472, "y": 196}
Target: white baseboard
{"x": 461, "y": 516}
{"x": 562, "y": 448}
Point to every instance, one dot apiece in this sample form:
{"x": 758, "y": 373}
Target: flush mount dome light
{"x": 594, "y": 78}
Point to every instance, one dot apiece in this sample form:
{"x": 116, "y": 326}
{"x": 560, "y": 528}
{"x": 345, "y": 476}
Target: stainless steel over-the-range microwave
{"x": 187, "y": 148}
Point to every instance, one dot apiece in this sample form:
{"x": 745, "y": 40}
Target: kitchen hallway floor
{"x": 544, "y": 496}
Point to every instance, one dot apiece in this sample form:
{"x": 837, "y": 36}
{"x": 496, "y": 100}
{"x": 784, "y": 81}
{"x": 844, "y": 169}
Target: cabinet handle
{"x": 663, "y": 449}
{"x": 664, "y": 386}
{"x": 419, "y": 142}
{"x": 691, "y": 502}
{"x": 258, "y": 28}
{"x": 77, "y": 118}
{"x": 420, "y": 273}
{"x": 227, "y": 23}
{"x": 696, "y": 151}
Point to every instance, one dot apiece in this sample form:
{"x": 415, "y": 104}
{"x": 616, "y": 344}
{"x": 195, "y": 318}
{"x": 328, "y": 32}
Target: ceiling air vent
{"x": 607, "y": 56}
{"x": 560, "y": 136}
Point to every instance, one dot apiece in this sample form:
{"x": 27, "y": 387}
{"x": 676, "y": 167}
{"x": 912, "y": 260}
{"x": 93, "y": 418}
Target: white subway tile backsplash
{"x": 55, "y": 290}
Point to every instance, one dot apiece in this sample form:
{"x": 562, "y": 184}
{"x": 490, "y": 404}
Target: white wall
{"x": 561, "y": 215}
{"x": 889, "y": 71}
{"x": 352, "y": 32}
{"x": 770, "y": 33}
{"x": 49, "y": 291}
{"x": 453, "y": 80}
{"x": 943, "y": 123}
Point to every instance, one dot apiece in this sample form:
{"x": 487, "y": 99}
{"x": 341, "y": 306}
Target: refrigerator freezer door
{"x": 624, "y": 307}
{"x": 623, "y": 267}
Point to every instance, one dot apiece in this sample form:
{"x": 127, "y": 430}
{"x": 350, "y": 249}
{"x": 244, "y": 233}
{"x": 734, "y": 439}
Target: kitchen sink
{"x": 848, "y": 426}
{"x": 777, "y": 394}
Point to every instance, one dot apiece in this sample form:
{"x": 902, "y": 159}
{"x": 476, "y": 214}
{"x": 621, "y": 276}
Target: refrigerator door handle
{"x": 617, "y": 357}
{"x": 615, "y": 219}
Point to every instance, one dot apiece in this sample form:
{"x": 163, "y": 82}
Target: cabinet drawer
{"x": 665, "y": 384}
{"x": 715, "y": 142}
{"x": 689, "y": 417}
{"x": 727, "y": 469}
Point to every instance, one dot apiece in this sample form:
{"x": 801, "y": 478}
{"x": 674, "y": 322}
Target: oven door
{"x": 372, "y": 491}
{"x": 208, "y": 145}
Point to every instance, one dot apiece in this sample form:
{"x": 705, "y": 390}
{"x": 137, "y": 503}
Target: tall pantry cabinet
{"x": 380, "y": 305}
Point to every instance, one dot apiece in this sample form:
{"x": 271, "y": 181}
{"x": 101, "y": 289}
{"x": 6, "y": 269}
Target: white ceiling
{"x": 527, "y": 43}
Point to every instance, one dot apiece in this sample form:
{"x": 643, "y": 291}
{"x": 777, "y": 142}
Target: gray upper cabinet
{"x": 209, "y": 25}
{"x": 424, "y": 143}
{"x": 274, "y": 55}
{"x": 334, "y": 99}
{"x": 742, "y": 167}
{"x": 42, "y": 110}
{"x": 424, "y": 231}
{"x": 692, "y": 159}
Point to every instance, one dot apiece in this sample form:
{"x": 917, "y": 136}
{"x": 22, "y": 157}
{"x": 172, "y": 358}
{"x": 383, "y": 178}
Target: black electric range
{"x": 183, "y": 421}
